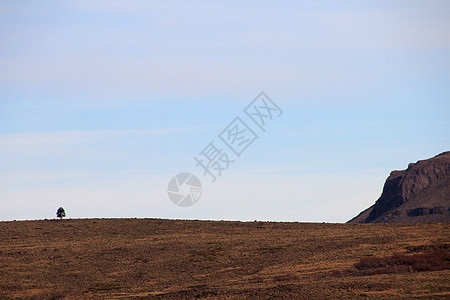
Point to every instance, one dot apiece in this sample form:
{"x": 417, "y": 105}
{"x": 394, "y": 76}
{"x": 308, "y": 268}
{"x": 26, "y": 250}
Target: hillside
{"x": 173, "y": 259}
{"x": 419, "y": 194}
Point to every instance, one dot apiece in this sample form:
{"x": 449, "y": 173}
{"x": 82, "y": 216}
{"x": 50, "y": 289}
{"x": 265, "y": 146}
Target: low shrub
{"x": 434, "y": 260}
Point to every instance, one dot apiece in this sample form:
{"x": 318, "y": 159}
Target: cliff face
{"x": 421, "y": 193}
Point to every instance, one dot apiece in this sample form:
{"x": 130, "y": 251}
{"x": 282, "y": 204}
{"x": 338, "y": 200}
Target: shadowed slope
{"x": 419, "y": 194}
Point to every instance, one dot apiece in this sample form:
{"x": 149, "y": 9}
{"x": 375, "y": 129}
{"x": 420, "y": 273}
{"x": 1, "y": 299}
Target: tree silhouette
{"x": 60, "y": 213}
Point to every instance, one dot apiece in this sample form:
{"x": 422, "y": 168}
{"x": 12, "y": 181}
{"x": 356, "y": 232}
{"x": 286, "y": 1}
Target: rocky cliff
{"x": 419, "y": 194}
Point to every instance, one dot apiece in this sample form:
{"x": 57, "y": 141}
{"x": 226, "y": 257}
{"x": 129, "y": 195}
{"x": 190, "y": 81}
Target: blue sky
{"x": 102, "y": 102}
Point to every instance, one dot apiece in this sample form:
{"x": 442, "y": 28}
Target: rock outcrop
{"x": 419, "y": 194}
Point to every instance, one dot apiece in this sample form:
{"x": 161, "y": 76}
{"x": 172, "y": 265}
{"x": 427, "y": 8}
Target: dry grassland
{"x": 172, "y": 259}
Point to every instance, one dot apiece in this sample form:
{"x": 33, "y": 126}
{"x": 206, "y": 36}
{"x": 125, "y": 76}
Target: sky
{"x": 102, "y": 103}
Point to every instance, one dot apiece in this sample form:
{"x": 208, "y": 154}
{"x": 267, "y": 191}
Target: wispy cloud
{"x": 20, "y": 143}
{"x": 126, "y": 50}
{"x": 364, "y": 87}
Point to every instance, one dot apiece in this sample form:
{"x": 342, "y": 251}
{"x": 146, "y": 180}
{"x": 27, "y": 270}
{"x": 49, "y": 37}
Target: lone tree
{"x": 60, "y": 213}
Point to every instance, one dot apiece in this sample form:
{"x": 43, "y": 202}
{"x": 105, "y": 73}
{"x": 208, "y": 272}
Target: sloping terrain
{"x": 173, "y": 259}
{"x": 419, "y": 194}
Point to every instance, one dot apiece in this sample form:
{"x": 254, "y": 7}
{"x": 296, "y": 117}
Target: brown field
{"x": 168, "y": 259}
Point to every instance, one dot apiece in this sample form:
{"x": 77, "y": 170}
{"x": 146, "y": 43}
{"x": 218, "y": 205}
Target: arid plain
{"x": 179, "y": 259}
